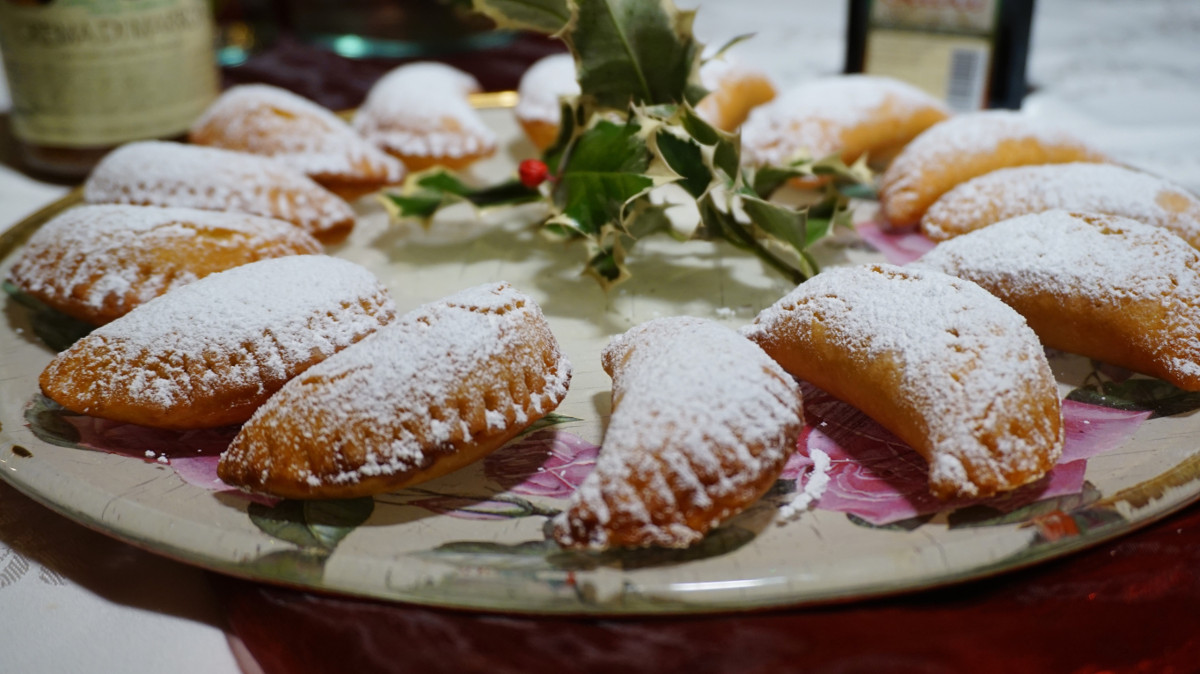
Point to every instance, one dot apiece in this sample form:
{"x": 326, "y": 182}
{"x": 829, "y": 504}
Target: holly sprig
{"x": 633, "y": 130}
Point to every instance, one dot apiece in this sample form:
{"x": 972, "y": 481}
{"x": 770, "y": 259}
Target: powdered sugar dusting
{"x": 443, "y": 376}
{"x": 1113, "y": 263}
{"x": 266, "y": 120}
{"x": 422, "y": 110}
{"x": 814, "y": 487}
{"x": 963, "y": 147}
{"x": 247, "y": 329}
{"x": 543, "y": 85}
{"x": 814, "y": 116}
{"x": 172, "y": 174}
{"x": 98, "y": 262}
{"x": 963, "y": 359}
{"x": 702, "y": 420}
{"x": 1095, "y": 188}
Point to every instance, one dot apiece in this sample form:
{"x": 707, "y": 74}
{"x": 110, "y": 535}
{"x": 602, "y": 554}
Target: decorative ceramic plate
{"x": 476, "y": 538}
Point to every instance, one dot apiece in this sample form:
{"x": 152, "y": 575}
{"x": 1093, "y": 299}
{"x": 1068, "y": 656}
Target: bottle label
{"x": 944, "y": 47}
{"x": 93, "y": 73}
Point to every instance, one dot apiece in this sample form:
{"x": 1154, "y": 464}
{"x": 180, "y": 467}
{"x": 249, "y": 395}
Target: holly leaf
{"x": 541, "y": 16}
{"x": 426, "y": 193}
{"x": 635, "y": 51}
{"x": 603, "y": 172}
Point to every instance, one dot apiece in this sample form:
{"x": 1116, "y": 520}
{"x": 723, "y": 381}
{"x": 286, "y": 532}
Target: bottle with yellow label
{"x": 87, "y": 75}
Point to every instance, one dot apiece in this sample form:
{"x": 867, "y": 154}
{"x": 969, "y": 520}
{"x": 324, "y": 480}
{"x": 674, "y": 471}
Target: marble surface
{"x": 1123, "y": 73}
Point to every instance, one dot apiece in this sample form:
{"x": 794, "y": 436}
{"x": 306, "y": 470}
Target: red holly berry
{"x": 533, "y": 173}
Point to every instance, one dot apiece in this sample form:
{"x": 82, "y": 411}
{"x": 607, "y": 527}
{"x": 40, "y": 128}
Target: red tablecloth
{"x": 1124, "y": 607}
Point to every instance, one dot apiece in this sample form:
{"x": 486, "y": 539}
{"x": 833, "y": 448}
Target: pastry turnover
{"x": 1104, "y": 286}
{"x": 734, "y": 90}
{"x": 702, "y": 424}
{"x": 966, "y": 146}
{"x": 1091, "y": 188}
{"x": 948, "y": 368}
{"x": 157, "y": 173}
{"x": 96, "y": 263}
{"x": 539, "y": 94}
{"x": 266, "y": 120}
{"x": 209, "y": 353}
{"x": 848, "y": 115}
{"x": 441, "y": 387}
{"x": 421, "y": 114}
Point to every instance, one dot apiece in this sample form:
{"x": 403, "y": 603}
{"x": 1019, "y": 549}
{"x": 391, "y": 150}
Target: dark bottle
{"x": 969, "y": 53}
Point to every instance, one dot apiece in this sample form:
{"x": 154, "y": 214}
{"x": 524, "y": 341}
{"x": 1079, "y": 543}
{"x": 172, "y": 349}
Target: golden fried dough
{"x": 538, "y": 107}
{"x": 734, "y": 90}
{"x": 948, "y": 368}
{"x": 443, "y": 386}
{"x": 266, "y": 120}
{"x": 96, "y": 263}
{"x": 966, "y": 146}
{"x": 209, "y": 353}
{"x": 1091, "y": 188}
{"x": 1104, "y": 286}
{"x": 702, "y": 424}
{"x": 156, "y": 173}
{"x": 421, "y": 114}
{"x": 848, "y": 115}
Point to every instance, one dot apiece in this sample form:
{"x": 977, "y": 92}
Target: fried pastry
{"x": 965, "y": 146}
{"x": 421, "y": 114}
{"x": 157, "y": 173}
{"x": 948, "y": 368}
{"x": 702, "y": 424}
{"x": 848, "y": 115}
{"x": 209, "y": 353}
{"x": 734, "y": 90}
{"x": 544, "y": 84}
{"x": 443, "y": 386}
{"x": 96, "y": 263}
{"x": 266, "y": 120}
{"x": 1090, "y": 188}
{"x": 1107, "y": 287}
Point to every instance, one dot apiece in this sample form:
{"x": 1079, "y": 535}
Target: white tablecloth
{"x": 1123, "y": 73}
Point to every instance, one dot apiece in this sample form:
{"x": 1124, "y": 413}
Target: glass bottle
{"x": 87, "y": 75}
{"x": 969, "y": 53}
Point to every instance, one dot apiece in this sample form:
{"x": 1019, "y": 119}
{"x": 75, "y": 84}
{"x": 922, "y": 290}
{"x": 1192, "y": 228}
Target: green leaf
{"x": 600, "y": 176}
{"x": 635, "y": 51}
{"x": 686, "y": 158}
{"x": 1160, "y": 398}
{"x": 312, "y": 524}
{"x": 542, "y": 16}
{"x": 983, "y": 515}
{"x": 56, "y": 329}
{"x": 424, "y": 194}
{"x": 548, "y": 421}
{"x": 46, "y": 420}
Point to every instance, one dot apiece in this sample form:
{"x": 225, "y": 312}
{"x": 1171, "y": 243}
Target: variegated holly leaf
{"x": 635, "y": 52}
{"x": 542, "y": 16}
{"x": 426, "y": 193}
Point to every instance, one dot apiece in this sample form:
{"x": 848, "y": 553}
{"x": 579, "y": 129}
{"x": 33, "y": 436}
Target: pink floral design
{"x": 193, "y": 455}
{"x": 897, "y": 247}
{"x": 550, "y": 463}
{"x": 877, "y": 477}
